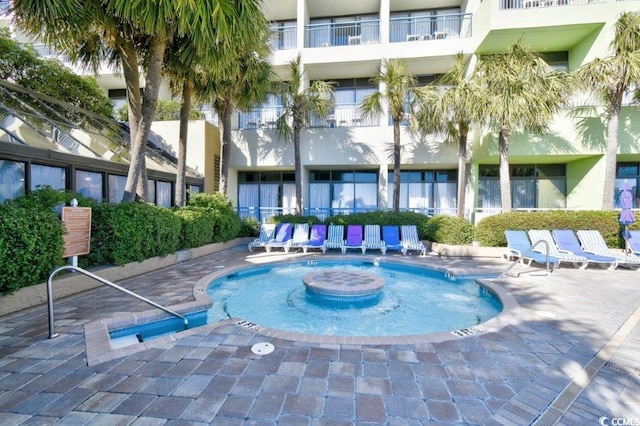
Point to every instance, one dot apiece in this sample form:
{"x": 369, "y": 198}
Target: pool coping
{"x": 98, "y": 341}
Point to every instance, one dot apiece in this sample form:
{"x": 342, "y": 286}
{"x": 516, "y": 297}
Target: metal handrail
{"x": 103, "y": 281}
{"x": 522, "y": 255}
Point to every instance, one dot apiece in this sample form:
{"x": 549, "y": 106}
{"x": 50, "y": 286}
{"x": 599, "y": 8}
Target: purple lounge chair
{"x": 317, "y": 239}
{"x": 354, "y": 239}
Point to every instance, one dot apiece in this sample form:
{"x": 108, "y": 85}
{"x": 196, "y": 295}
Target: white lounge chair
{"x": 267, "y": 231}
{"x": 562, "y": 255}
{"x": 335, "y": 238}
{"x": 410, "y": 239}
{"x": 566, "y": 240}
{"x": 592, "y": 241}
{"x": 300, "y": 236}
{"x": 372, "y": 240}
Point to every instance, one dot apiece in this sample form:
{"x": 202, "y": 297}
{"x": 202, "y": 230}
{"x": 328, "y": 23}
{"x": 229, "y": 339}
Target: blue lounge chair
{"x": 562, "y": 255}
{"x": 267, "y": 232}
{"x": 317, "y": 238}
{"x": 566, "y": 240}
{"x": 372, "y": 240}
{"x": 354, "y": 239}
{"x": 391, "y": 237}
{"x": 518, "y": 245}
{"x": 633, "y": 239}
{"x": 284, "y": 233}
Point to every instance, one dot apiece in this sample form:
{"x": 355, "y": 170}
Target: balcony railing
{"x": 434, "y": 27}
{"x": 283, "y": 38}
{"x": 345, "y": 115}
{"x": 528, "y": 4}
{"x": 5, "y": 5}
{"x": 343, "y": 33}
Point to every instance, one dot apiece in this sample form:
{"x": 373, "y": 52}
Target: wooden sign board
{"x": 77, "y": 221}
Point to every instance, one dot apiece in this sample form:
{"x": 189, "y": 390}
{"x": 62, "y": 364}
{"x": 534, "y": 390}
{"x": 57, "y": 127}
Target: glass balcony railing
{"x": 343, "y": 33}
{"x": 283, "y": 38}
{"x": 433, "y": 27}
{"x": 343, "y": 115}
{"x": 527, "y": 4}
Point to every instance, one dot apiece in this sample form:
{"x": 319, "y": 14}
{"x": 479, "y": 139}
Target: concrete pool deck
{"x": 568, "y": 354}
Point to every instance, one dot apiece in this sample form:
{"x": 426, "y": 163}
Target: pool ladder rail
{"x": 52, "y": 334}
{"x": 548, "y": 268}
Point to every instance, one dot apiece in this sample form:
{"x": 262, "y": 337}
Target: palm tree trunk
{"x": 462, "y": 169}
{"x": 608, "y": 193}
{"x": 149, "y": 104}
{"x": 505, "y": 179}
{"x": 185, "y": 110}
{"x": 396, "y": 165}
{"x": 225, "y": 115}
{"x": 298, "y": 167}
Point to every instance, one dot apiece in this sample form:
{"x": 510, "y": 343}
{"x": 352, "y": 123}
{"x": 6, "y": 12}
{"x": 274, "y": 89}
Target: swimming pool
{"x": 414, "y": 300}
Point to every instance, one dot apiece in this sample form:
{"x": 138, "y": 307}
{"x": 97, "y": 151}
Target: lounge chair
{"x": 317, "y": 238}
{"x": 410, "y": 239}
{"x": 567, "y": 240}
{"x": 391, "y": 238}
{"x": 518, "y": 245}
{"x": 354, "y": 239}
{"x": 335, "y": 238}
{"x": 372, "y": 240}
{"x": 592, "y": 241}
{"x": 267, "y": 231}
{"x": 633, "y": 240}
{"x": 300, "y": 236}
{"x": 562, "y": 255}
{"x": 283, "y": 235}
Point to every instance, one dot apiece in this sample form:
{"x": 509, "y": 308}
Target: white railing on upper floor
{"x": 283, "y": 38}
{"x": 433, "y": 27}
{"x": 527, "y": 4}
{"x": 343, "y": 33}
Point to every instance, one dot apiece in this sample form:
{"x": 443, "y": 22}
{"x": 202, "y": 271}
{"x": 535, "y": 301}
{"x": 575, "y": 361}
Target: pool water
{"x": 414, "y": 300}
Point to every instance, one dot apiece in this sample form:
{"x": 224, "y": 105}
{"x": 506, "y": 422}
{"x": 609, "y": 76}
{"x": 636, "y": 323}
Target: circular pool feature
{"x": 414, "y": 300}
{"x": 344, "y": 285}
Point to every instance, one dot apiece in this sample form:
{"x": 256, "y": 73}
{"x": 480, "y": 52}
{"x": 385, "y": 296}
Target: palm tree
{"x": 133, "y": 36}
{"x": 609, "y": 79}
{"x": 523, "y": 92}
{"x": 299, "y": 105}
{"x": 397, "y": 91}
{"x": 451, "y": 106}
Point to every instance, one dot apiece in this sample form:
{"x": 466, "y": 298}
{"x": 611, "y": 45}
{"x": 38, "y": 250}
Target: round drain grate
{"x": 262, "y": 348}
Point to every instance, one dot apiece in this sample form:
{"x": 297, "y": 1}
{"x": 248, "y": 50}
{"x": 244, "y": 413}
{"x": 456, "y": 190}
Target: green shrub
{"x": 197, "y": 226}
{"x": 227, "y": 224}
{"x": 31, "y": 245}
{"x": 129, "y": 232}
{"x": 446, "y": 229}
{"x": 250, "y": 227}
{"x": 295, "y": 218}
{"x": 490, "y": 230}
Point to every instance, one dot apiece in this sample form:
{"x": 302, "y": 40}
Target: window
{"x": 426, "y": 191}
{"x": 116, "y": 188}
{"x": 265, "y": 194}
{"x": 11, "y": 179}
{"x": 89, "y": 184}
{"x": 342, "y": 192}
{"x": 629, "y": 172}
{"x": 541, "y": 186}
{"x": 54, "y": 177}
{"x": 164, "y": 192}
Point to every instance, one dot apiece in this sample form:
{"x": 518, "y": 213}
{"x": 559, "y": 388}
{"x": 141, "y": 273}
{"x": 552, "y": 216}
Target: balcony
{"x": 434, "y": 27}
{"x": 528, "y": 4}
{"x": 5, "y": 5}
{"x": 283, "y": 38}
{"x": 343, "y": 33}
{"x": 343, "y": 115}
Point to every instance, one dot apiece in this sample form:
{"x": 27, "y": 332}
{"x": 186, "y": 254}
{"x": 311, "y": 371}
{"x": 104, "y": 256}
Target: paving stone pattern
{"x": 510, "y": 376}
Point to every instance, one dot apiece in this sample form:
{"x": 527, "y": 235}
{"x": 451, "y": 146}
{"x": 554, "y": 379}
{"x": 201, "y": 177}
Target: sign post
{"x": 77, "y": 221}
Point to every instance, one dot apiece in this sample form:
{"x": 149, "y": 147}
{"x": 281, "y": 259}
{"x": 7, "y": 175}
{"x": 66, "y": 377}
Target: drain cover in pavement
{"x": 262, "y": 348}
